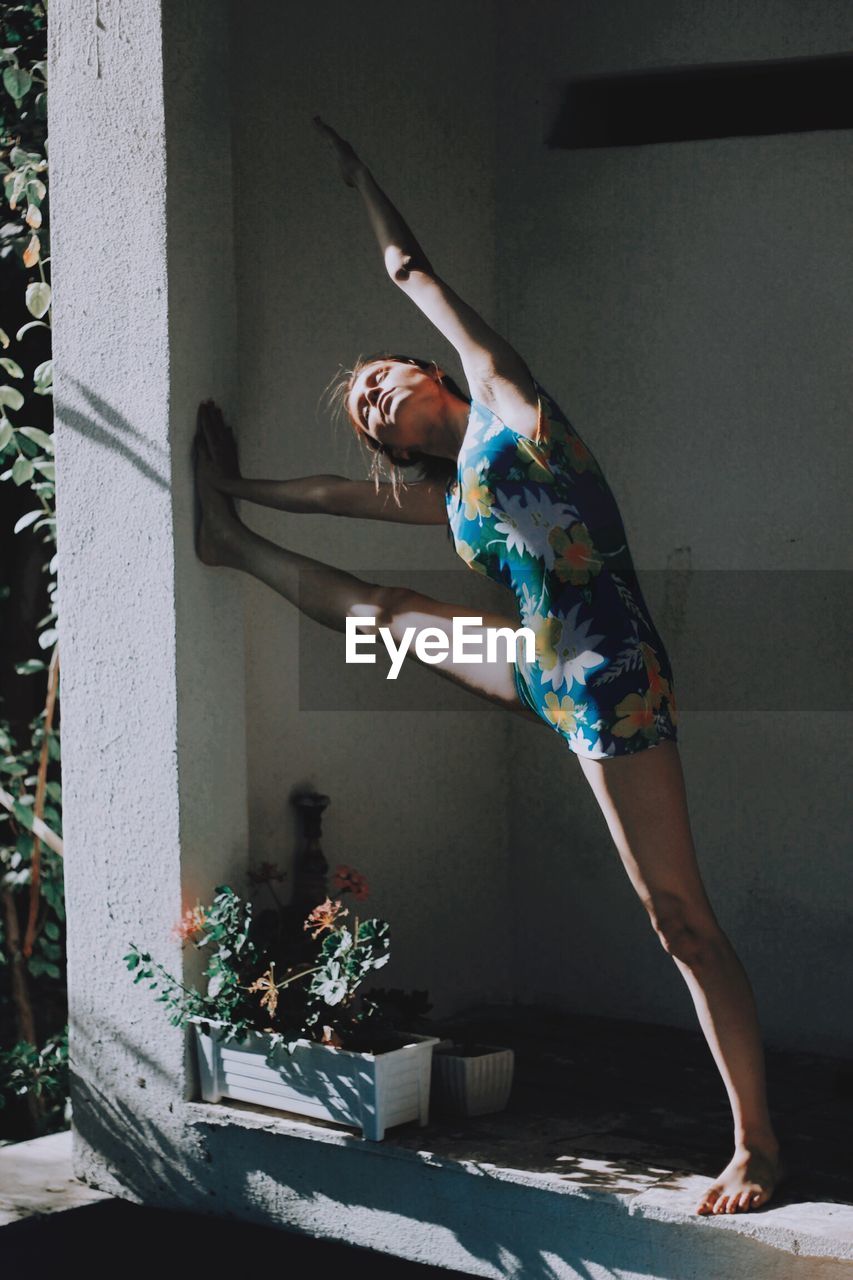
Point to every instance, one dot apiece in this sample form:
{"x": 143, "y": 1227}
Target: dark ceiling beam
{"x": 724, "y": 100}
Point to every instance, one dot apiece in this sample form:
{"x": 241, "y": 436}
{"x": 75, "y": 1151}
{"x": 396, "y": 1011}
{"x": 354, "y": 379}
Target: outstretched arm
{"x": 421, "y": 503}
{"x": 491, "y": 364}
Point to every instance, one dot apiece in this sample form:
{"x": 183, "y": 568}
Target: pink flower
{"x": 348, "y": 880}
{"x": 191, "y": 923}
{"x": 325, "y": 916}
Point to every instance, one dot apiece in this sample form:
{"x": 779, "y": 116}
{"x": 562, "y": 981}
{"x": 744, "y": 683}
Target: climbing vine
{"x": 33, "y": 1071}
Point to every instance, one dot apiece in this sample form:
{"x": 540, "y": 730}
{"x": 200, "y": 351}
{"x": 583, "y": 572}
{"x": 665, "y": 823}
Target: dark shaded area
{"x": 724, "y": 101}
{"x": 124, "y": 1231}
{"x": 641, "y": 1095}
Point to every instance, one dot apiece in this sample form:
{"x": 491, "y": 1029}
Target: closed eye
{"x": 366, "y": 406}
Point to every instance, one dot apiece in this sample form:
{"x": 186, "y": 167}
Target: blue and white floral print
{"x": 538, "y": 516}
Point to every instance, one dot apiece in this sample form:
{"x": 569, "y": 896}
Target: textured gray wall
{"x": 151, "y": 641}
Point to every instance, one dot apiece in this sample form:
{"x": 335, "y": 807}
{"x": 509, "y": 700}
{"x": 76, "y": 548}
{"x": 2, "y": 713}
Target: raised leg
{"x": 331, "y": 596}
{"x": 644, "y": 801}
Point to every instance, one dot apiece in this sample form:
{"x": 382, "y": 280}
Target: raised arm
{"x": 493, "y": 368}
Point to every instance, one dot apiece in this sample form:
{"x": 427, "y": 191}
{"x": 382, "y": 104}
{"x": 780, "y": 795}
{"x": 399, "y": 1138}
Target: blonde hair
{"x": 431, "y": 467}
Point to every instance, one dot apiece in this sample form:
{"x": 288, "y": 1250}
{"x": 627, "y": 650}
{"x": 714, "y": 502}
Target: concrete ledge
{"x": 407, "y": 1198}
{"x": 36, "y": 1178}
{"x": 593, "y": 1170}
{"x": 606, "y": 1213}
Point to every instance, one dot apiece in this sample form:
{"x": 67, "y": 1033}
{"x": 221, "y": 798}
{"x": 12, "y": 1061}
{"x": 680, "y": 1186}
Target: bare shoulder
{"x": 510, "y": 393}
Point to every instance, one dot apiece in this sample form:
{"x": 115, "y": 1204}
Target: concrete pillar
{"x": 151, "y": 641}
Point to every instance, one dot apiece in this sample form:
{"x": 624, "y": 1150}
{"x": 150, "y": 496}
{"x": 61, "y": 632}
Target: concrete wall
{"x": 689, "y": 306}
{"x": 151, "y": 642}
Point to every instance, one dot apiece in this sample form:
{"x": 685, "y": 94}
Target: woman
{"x": 528, "y": 505}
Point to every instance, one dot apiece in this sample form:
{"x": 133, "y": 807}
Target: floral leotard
{"x": 538, "y": 516}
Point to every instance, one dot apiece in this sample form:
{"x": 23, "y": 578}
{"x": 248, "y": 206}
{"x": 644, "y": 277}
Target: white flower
{"x": 579, "y": 743}
{"x": 480, "y": 426}
{"x": 575, "y": 652}
{"x": 526, "y": 524}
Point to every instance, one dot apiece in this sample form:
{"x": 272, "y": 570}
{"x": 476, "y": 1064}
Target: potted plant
{"x": 471, "y": 1079}
{"x": 282, "y": 1022}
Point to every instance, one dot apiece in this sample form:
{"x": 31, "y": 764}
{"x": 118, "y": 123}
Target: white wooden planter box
{"x": 474, "y": 1085}
{"x": 371, "y": 1091}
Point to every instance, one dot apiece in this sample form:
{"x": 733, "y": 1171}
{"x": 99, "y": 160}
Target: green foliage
{"x": 40, "y": 1072}
{"x": 27, "y": 462}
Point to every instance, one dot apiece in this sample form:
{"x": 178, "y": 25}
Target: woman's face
{"x": 396, "y": 404}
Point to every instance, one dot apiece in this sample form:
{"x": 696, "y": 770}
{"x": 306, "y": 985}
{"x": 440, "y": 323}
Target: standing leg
{"x": 644, "y": 801}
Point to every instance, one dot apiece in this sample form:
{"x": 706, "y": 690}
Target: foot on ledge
{"x": 747, "y": 1182}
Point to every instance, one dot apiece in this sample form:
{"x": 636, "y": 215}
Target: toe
{"x": 721, "y": 1204}
{"x": 706, "y": 1204}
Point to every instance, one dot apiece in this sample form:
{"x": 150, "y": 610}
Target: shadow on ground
{"x": 116, "y": 1230}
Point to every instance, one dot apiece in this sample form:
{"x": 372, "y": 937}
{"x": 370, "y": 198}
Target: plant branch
{"x": 38, "y": 808}
{"x": 40, "y": 828}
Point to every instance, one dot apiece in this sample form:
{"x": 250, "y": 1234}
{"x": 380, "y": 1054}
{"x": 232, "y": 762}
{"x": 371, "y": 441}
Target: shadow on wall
{"x": 115, "y": 433}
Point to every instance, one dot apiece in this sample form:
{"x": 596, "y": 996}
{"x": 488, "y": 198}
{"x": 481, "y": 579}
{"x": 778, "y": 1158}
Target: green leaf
{"x": 11, "y": 396}
{"x": 41, "y": 438}
{"x": 22, "y": 471}
{"x": 17, "y": 83}
{"x": 24, "y": 814}
{"x": 27, "y": 520}
{"x": 6, "y": 432}
{"x": 38, "y": 298}
{"x": 47, "y": 469}
{"x": 15, "y": 188}
{"x": 30, "y": 667}
{"x": 47, "y": 638}
{"x": 4, "y": 338}
{"x": 43, "y": 373}
{"x": 21, "y": 158}
{"x": 12, "y": 367}
{"x": 28, "y": 447}
{"x": 31, "y": 324}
